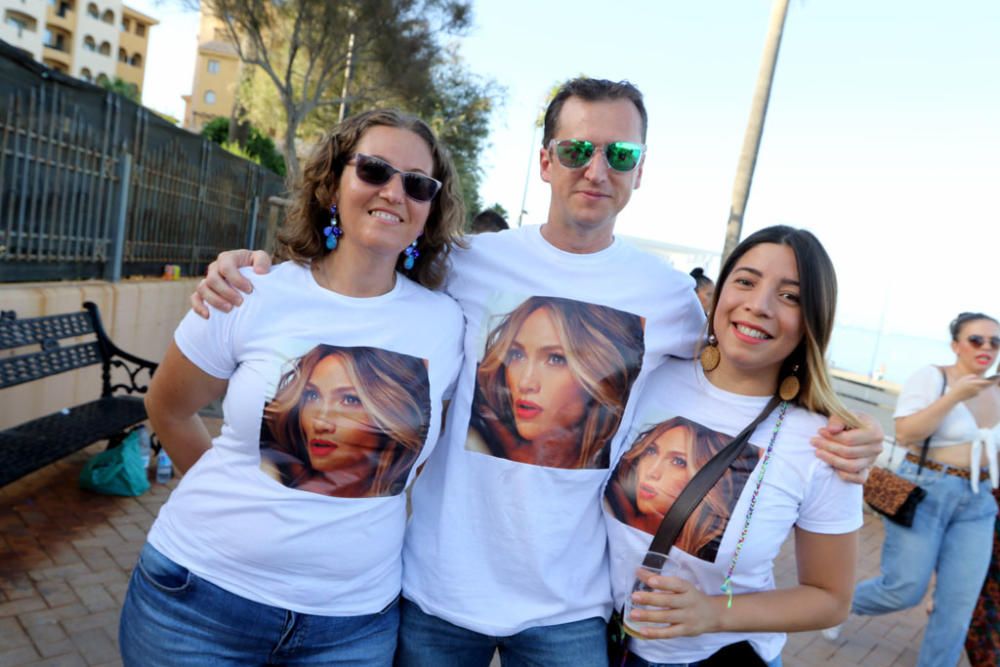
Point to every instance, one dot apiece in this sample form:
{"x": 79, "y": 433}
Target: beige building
{"x": 216, "y": 76}
{"x": 94, "y": 41}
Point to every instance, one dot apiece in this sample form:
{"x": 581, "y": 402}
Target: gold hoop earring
{"x": 710, "y": 355}
{"x": 789, "y": 387}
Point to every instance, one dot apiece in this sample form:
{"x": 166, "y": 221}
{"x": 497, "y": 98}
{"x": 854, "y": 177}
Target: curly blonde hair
{"x": 301, "y": 237}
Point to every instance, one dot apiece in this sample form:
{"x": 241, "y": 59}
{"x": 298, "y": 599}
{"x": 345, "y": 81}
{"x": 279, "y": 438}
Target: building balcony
{"x": 60, "y": 17}
{"x": 56, "y": 55}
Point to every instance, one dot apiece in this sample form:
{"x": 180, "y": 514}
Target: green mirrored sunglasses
{"x": 577, "y": 153}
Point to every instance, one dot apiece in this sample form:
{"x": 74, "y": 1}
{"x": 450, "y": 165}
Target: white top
{"x": 923, "y": 388}
{"x": 798, "y": 490}
{"x": 507, "y": 531}
{"x": 293, "y": 525}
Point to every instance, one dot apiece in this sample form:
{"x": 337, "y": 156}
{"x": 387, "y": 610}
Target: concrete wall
{"x": 139, "y": 316}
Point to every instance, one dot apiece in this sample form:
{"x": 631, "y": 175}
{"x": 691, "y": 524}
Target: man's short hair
{"x": 488, "y": 221}
{"x": 592, "y": 90}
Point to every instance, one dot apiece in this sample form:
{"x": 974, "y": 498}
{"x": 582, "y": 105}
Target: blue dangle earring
{"x": 411, "y": 254}
{"x": 332, "y": 232}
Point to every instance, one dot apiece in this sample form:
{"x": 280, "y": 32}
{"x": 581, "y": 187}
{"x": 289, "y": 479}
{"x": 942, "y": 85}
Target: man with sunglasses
{"x": 503, "y": 554}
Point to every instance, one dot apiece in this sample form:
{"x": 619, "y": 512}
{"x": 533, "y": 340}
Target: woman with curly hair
{"x": 554, "y": 381}
{"x": 287, "y": 529}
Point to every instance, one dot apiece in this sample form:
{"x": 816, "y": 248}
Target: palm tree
{"x": 755, "y": 127}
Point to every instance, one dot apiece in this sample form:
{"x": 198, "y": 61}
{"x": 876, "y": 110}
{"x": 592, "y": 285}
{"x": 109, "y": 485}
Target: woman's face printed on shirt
{"x": 663, "y": 469}
{"x": 338, "y": 430}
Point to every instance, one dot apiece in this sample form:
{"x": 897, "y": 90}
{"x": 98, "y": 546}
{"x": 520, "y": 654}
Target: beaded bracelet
{"x": 727, "y": 585}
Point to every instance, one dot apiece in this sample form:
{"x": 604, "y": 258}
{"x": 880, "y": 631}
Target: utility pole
{"x": 755, "y": 127}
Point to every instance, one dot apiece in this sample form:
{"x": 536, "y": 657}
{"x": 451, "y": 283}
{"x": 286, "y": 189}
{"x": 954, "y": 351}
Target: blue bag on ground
{"x": 117, "y": 471}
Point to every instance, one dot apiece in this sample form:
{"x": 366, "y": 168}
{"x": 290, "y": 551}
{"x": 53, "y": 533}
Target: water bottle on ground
{"x": 145, "y": 446}
{"x": 164, "y": 468}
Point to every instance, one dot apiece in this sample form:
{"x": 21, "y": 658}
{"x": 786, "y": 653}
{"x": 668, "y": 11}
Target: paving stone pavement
{"x": 66, "y": 556}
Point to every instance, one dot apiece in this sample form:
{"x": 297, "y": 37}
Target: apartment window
{"x": 64, "y": 9}
{"x": 140, "y": 29}
{"x": 209, "y": 97}
{"x": 19, "y": 22}
{"x": 86, "y": 75}
{"x": 89, "y": 44}
{"x": 126, "y": 24}
{"x": 122, "y": 56}
{"x": 102, "y": 79}
{"x": 54, "y": 40}
{"x": 105, "y": 49}
{"x": 92, "y": 11}
{"x": 108, "y": 17}
{"x": 213, "y": 66}
{"x": 136, "y": 60}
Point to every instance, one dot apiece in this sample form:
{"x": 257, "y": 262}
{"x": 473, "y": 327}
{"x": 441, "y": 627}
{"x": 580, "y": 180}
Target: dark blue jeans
{"x": 429, "y": 641}
{"x": 172, "y": 618}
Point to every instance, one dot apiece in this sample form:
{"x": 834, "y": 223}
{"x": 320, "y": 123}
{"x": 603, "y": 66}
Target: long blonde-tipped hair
{"x": 818, "y": 305}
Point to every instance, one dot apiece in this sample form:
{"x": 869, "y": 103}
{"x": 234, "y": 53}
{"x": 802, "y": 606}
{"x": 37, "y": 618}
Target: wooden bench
{"x": 39, "y": 442}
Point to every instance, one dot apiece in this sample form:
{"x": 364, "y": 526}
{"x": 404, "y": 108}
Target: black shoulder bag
{"x": 740, "y": 653}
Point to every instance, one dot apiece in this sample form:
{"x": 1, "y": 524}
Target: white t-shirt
{"x": 507, "y": 531}
{"x": 681, "y": 421}
{"x": 332, "y": 404}
{"x": 923, "y": 388}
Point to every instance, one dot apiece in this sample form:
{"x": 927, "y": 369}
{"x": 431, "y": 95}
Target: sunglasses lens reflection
{"x": 623, "y": 155}
{"x": 576, "y": 153}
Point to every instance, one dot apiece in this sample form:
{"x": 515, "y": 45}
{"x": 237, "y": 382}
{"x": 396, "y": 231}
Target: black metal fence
{"x": 94, "y": 186}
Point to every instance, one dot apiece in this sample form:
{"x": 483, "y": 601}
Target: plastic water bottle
{"x": 164, "y": 468}
{"x": 145, "y": 447}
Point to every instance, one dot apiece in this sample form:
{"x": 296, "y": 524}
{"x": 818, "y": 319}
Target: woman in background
{"x": 704, "y": 288}
{"x": 953, "y": 528}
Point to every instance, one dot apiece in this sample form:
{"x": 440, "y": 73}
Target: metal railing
{"x": 92, "y": 185}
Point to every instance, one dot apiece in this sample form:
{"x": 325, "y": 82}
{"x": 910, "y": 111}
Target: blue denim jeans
{"x": 635, "y": 661}
{"x": 429, "y": 641}
{"x": 952, "y": 534}
{"x": 172, "y": 618}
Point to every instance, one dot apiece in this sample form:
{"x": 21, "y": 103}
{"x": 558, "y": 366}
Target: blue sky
{"x": 882, "y": 137}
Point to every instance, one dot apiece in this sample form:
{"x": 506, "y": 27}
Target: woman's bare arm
{"x": 826, "y": 565}
{"x": 178, "y": 391}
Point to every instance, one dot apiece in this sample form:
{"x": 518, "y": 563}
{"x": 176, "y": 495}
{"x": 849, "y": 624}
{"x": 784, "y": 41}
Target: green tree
{"x": 257, "y": 146}
{"x": 308, "y": 49}
{"x": 129, "y": 91}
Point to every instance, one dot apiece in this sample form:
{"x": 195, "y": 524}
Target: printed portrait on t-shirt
{"x": 657, "y": 467}
{"x": 553, "y": 380}
{"x": 347, "y": 422}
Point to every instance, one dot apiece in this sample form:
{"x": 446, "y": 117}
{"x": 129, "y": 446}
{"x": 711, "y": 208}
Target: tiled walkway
{"x": 66, "y": 554}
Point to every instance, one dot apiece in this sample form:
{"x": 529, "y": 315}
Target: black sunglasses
{"x": 977, "y": 341}
{"x": 374, "y": 171}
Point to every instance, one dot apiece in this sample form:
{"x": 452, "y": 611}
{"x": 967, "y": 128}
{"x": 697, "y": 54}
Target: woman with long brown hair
{"x": 769, "y": 325}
